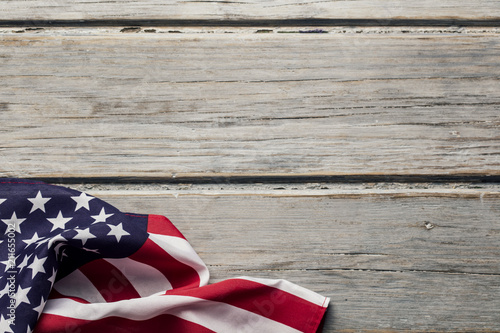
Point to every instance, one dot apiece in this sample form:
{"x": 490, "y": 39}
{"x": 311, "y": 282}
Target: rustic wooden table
{"x": 352, "y": 147}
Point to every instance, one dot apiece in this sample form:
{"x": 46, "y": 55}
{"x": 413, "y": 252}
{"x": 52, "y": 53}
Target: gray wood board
{"x": 164, "y": 105}
{"x": 247, "y": 10}
{"x": 372, "y": 254}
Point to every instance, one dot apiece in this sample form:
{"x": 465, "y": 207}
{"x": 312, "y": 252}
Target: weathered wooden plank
{"x": 111, "y": 104}
{"x": 247, "y": 10}
{"x": 374, "y": 255}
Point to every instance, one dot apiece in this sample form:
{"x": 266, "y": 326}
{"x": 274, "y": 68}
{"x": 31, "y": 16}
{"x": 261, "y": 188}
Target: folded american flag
{"x": 70, "y": 262}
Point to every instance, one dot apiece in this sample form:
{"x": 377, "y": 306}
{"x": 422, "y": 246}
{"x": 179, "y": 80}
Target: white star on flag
{"x": 1, "y": 202}
{"x": 63, "y": 254}
{"x": 42, "y": 242}
{"x": 90, "y": 250}
{"x": 25, "y": 262}
{"x": 5, "y": 325}
{"x": 38, "y": 202}
{"x": 31, "y": 240}
{"x": 58, "y": 251}
{"x": 6, "y": 264}
{"x": 53, "y": 277}
{"x": 39, "y": 308}
{"x": 84, "y": 235}
{"x": 82, "y": 201}
{"x": 22, "y": 296}
{"x": 59, "y": 222}
{"x": 102, "y": 217}
{"x": 14, "y": 220}
{"x": 37, "y": 267}
{"x": 117, "y": 231}
{"x": 5, "y": 290}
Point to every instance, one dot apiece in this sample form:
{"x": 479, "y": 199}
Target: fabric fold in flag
{"x": 70, "y": 262}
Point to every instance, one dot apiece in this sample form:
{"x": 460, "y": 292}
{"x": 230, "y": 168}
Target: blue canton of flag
{"x": 42, "y": 226}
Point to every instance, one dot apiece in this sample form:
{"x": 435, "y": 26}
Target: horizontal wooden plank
{"x": 387, "y": 262}
{"x": 166, "y": 105}
{"x": 247, "y": 10}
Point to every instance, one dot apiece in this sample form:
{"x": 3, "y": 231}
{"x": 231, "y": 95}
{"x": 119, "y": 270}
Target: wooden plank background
{"x": 249, "y": 104}
{"x": 247, "y": 10}
{"x": 169, "y": 104}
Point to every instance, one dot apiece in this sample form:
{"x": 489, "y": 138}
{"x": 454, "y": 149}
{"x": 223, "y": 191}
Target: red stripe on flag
{"x": 272, "y": 303}
{"x": 178, "y": 274}
{"x": 109, "y": 281}
{"x": 158, "y": 224}
{"x": 55, "y": 294}
{"x": 49, "y": 323}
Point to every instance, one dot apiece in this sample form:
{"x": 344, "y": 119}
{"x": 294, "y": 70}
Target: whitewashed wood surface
{"x": 247, "y": 10}
{"x": 389, "y": 262}
{"x": 87, "y": 103}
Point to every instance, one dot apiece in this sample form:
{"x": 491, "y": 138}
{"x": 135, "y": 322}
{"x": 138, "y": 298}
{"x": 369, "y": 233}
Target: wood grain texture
{"x": 247, "y": 10}
{"x": 373, "y": 255}
{"x": 166, "y": 105}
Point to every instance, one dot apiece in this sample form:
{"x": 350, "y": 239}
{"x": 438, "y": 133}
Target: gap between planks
{"x": 151, "y": 30}
{"x": 355, "y": 22}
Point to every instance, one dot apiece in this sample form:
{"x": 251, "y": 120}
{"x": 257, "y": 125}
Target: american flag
{"x": 70, "y": 262}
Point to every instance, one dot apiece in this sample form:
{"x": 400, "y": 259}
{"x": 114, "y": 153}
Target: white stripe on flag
{"x": 216, "y": 316}
{"x": 145, "y": 279}
{"x": 77, "y": 284}
{"x": 291, "y": 288}
{"x": 182, "y": 251}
